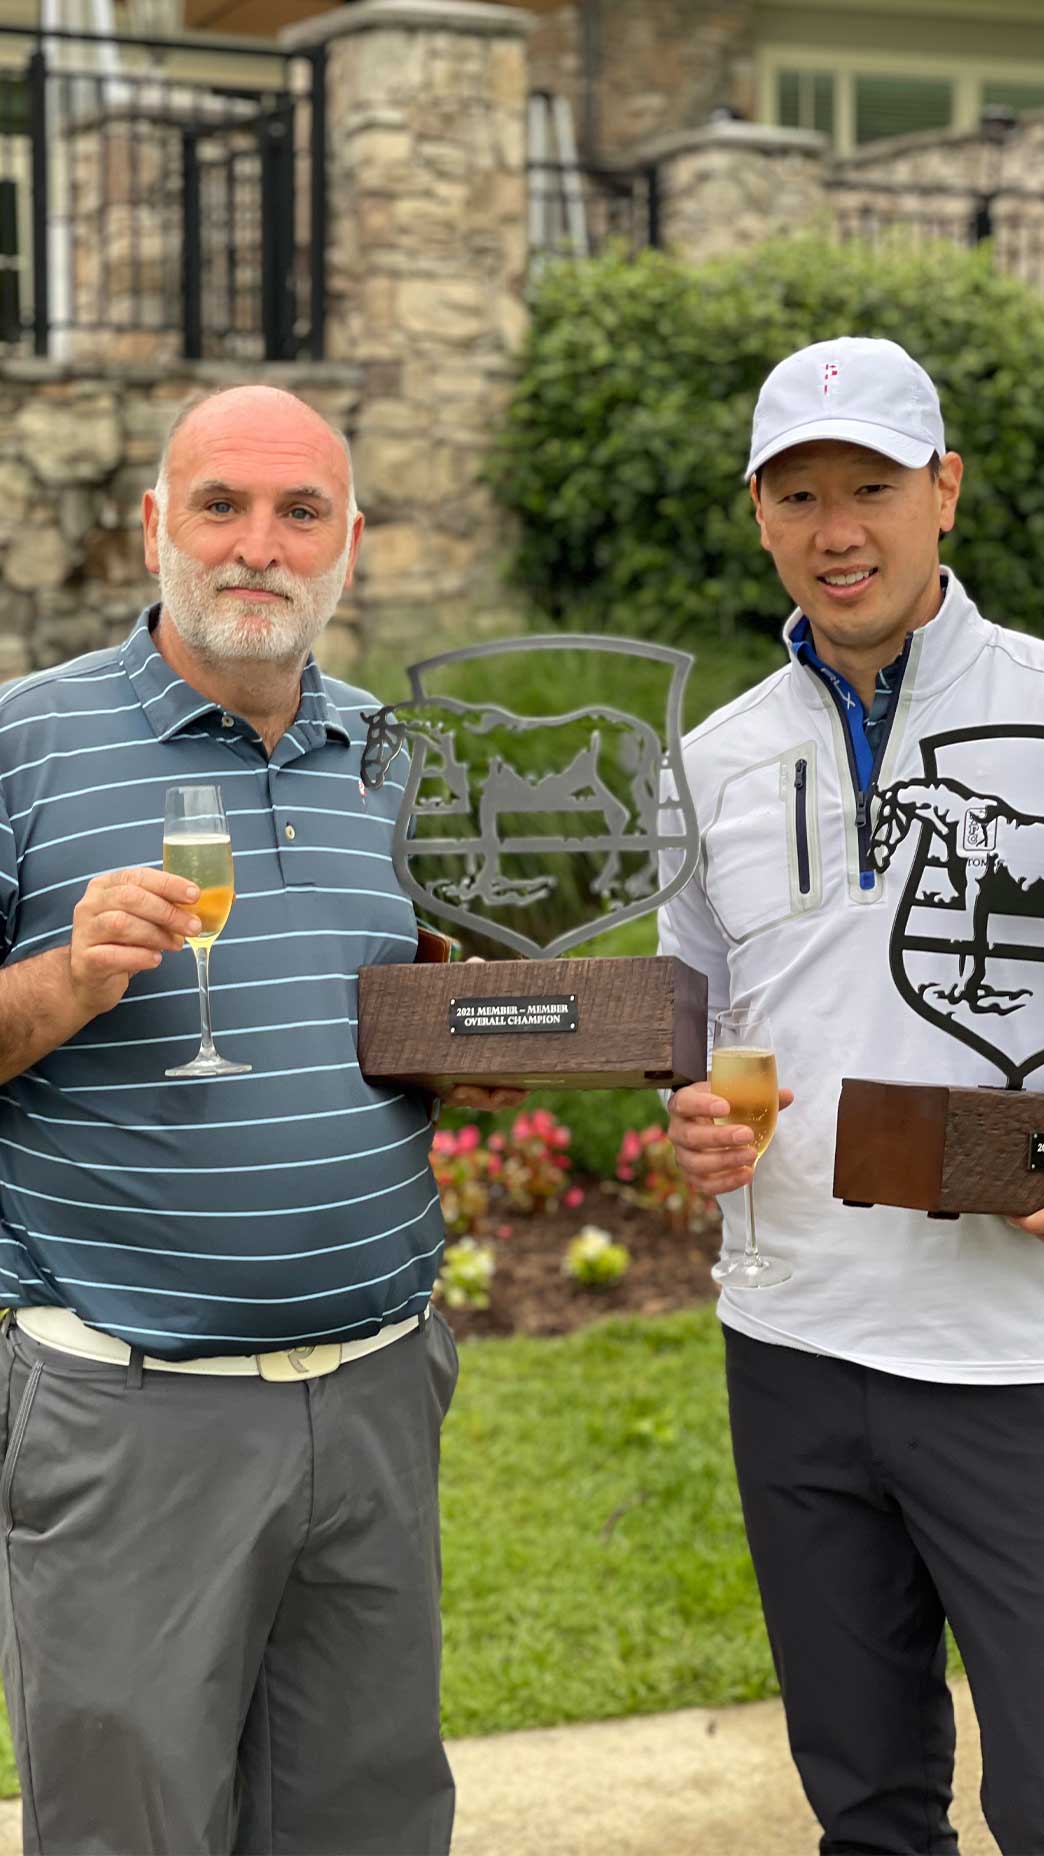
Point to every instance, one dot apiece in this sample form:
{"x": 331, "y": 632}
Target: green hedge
{"x": 625, "y": 442}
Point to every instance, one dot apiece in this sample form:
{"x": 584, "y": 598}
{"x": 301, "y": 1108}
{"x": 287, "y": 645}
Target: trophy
{"x": 967, "y": 954}
{"x": 532, "y": 833}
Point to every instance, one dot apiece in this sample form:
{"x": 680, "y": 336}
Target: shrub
{"x": 625, "y": 442}
{"x": 466, "y": 1273}
{"x": 462, "y": 1167}
{"x": 647, "y": 1166}
{"x": 533, "y": 1170}
{"x": 593, "y": 1260}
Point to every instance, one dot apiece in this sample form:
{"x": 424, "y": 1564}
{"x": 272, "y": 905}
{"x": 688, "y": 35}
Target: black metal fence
{"x": 574, "y": 211}
{"x": 912, "y": 215}
{"x": 161, "y": 196}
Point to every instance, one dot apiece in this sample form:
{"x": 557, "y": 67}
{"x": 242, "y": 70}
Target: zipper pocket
{"x": 801, "y": 825}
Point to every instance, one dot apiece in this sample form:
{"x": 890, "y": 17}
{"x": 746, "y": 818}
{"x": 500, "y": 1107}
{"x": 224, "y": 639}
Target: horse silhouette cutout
{"x": 993, "y": 856}
{"x": 480, "y": 784}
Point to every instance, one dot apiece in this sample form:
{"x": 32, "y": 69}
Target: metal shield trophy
{"x": 533, "y": 833}
{"x": 967, "y": 955}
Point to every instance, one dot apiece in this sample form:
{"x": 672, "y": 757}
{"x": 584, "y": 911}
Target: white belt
{"x": 60, "y": 1328}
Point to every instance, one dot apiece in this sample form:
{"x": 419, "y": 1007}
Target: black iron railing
{"x": 161, "y": 196}
{"x": 914, "y": 214}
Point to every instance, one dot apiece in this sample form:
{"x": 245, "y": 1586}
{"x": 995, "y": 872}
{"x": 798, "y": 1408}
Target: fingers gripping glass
{"x": 743, "y": 1071}
{"x": 196, "y": 845}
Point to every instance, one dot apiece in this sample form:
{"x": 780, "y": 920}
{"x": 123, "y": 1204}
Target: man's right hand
{"x": 715, "y": 1159}
{"x": 123, "y": 924}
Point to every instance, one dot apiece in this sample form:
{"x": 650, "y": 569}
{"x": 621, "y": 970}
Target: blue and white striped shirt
{"x": 291, "y": 1205}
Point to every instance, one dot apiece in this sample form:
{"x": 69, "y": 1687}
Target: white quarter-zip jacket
{"x": 782, "y": 917}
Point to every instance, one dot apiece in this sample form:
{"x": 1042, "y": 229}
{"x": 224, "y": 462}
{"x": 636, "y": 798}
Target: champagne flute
{"x": 196, "y": 845}
{"x": 743, "y": 1071}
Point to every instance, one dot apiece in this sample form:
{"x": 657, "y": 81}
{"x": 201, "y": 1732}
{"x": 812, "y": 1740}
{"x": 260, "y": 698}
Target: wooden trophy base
{"x": 535, "y": 1024}
{"x": 938, "y": 1149}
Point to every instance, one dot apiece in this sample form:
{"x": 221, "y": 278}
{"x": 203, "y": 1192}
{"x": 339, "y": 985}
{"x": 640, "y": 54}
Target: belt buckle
{"x": 299, "y": 1363}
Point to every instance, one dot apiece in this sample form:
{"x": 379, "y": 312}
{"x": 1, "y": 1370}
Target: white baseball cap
{"x": 857, "y": 390}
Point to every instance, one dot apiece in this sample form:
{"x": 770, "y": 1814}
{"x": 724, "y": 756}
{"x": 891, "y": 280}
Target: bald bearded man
{"x": 222, "y": 1379}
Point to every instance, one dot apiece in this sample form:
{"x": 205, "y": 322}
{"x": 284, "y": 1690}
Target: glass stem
{"x": 751, "y": 1253}
{"x": 202, "y": 953}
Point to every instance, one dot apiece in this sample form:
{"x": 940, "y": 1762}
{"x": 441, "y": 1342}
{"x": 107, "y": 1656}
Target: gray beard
{"x": 191, "y": 596}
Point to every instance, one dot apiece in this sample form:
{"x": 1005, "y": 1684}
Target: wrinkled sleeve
{"x": 687, "y": 927}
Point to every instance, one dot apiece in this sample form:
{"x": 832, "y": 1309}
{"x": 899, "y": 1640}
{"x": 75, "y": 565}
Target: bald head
{"x": 260, "y": 411}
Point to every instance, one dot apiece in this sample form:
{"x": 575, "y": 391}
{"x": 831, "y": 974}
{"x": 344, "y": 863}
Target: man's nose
{"x": 257, "y": 542}
{"x": 839, "y": 531}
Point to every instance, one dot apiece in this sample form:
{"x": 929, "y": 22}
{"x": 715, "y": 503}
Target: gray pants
{"x": 220, "y": 1605}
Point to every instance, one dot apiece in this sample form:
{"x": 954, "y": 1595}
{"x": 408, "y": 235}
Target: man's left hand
{"x": 472, "y": 1095}
{"x": 1034, "y": 1224}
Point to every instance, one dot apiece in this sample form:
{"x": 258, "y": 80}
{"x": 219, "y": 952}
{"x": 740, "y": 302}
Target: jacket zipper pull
{"x": 862, "y": 806}
{"x": 800, "y": 770}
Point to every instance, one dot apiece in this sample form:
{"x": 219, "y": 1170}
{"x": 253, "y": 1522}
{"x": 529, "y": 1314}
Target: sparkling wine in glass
{"x": 743, "y": 1071}
{"x": 196, "y": 845}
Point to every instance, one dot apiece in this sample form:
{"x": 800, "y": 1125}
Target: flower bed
{"x": 515, "y": 1211}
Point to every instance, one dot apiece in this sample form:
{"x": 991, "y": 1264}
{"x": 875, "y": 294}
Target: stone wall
{"x": 729, "y": 186}
{"x": 78, "y": 446}
{"x": 732, "y": 185}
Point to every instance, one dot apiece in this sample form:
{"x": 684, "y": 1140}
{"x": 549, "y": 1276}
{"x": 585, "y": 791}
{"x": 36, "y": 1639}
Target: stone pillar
{"x": 731, "y": 185}
{"x": 426, "y": 265}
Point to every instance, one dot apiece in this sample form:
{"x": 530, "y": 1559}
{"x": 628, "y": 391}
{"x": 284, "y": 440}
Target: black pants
{"x": 877, "y": 1506}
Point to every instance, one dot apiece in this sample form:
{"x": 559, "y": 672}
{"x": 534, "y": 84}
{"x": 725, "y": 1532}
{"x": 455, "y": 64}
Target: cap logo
{"x": 829, "y": 374}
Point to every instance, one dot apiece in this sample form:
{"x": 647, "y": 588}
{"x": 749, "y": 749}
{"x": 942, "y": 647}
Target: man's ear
{"x": 759, "y": 512}
{"x": 150, "y": 518}
{"x": 357, "y": 528}
{"x": 948, "y": 488}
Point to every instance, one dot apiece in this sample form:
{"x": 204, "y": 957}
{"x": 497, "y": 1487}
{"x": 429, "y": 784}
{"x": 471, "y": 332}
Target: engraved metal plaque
{"x": 493, "y": 1016}
{"x": 1036, "y": 1153}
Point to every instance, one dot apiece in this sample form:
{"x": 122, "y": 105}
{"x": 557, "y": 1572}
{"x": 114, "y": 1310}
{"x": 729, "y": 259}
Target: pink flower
{"x": 625, "y": 1172}
{"x": 543, "y": 1122}
{"x": 496, "y": 1143}
{"x": 562, "y": 1161}
{"x": 504, "y": 1230}
{"x": 467, "y": 1138}
{"x": 520, "y": 1127}
{"x": 650, "y": 1135}
{"x": 630, "y": 1146}
{"x": 561, "y": 1137}
{"x": 494, "y": 1165}
{"x": 443, "y": 1142}
{"x": 573, "y": 1197}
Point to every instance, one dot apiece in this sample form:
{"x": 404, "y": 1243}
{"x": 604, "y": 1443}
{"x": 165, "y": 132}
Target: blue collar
{"x": 171, "y": 704}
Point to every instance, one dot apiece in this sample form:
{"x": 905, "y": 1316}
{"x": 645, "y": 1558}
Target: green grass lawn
{"x": 595, "y": 1563}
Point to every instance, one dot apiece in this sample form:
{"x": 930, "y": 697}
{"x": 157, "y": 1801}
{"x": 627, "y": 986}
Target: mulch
{"x": 530, "y": 1294}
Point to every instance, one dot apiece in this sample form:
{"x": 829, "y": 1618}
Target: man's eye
{"x": 219, "y": 507}
{"x": 873, "y": 489}
{"x": 299, "y": 509}
{"x": 798, "y": 496}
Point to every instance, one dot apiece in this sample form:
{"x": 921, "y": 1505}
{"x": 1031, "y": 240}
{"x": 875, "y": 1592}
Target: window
{"x": 900, "y": 105}
{"x": 1022, "y": 98}
{"x": 805, "y": 100}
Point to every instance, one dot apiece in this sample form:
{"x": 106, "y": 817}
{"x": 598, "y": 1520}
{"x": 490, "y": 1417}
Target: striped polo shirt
{"x": 227, "y": 1215}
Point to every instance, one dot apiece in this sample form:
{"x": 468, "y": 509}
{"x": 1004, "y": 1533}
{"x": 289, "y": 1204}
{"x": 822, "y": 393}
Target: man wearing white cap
{"x": 886, "y": 1382}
